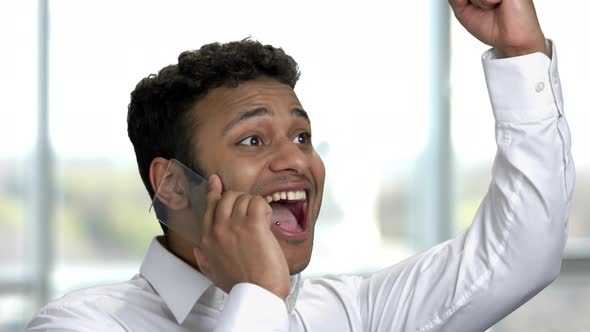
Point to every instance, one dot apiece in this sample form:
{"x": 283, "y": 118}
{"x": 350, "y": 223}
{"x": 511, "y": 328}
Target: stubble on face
{"x": 269, "y": 111}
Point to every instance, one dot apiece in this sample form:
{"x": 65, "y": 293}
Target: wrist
{"x": 508, "y": 52}
{"x": 280, "y": 292}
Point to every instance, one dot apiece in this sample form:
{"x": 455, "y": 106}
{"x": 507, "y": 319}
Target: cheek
{"x": 240, "y": 174}
{"x": 318, "y": 172}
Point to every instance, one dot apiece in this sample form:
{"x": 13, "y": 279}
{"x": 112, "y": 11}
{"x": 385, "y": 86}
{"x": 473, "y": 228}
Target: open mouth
{"x": 289, "y": 212}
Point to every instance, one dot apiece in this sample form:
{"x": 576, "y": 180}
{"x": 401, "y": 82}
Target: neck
{"x": 181, "y": 249}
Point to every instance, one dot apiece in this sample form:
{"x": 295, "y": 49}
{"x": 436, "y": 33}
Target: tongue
{"x": 285, "y": 217}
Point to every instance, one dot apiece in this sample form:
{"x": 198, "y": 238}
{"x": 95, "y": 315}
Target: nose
{"x": 289, "y": 157}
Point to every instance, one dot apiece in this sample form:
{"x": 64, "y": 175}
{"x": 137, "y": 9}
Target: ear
{"x": 169, "y": 183}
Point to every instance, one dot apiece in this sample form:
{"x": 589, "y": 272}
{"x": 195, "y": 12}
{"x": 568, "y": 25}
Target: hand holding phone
{"x": 230, "y": 231}
{"x": 236, "y": 243}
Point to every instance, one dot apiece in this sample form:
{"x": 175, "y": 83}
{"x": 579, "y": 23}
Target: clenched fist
{"x": 510, "y": 26}
{"x": 237, "y": 244}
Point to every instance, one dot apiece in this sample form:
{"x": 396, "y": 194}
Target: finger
{"x": 224, "y": 208}
{"x": 458, "y": 6}
{"x": 259, "y": 210}
{"x": 485, "y": 4}
{"x": 458, "y": 3}
{"x": 240, "y": 208}
{"x": 213, "y": 196}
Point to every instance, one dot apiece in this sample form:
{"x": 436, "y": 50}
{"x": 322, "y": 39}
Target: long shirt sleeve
{"x": 514, "y": 247}
{"x": 252, "y": 308}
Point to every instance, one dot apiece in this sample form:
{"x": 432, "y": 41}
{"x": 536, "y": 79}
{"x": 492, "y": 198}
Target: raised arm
{"x": 514, "y": 247}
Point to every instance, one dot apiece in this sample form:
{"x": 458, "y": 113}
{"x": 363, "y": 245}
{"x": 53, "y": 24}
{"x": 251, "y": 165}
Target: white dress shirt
{"x": 512, "y": 250}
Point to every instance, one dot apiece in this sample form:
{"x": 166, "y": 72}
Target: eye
{"x": 251, "y": 140}
{"x": 303, "y": 138}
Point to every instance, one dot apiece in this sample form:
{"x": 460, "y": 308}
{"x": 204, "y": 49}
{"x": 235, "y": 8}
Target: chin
{"x": 298, "y": 258}
{"x": 298, "y": 267}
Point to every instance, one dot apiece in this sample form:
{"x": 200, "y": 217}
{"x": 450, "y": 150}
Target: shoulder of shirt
{"x": 100, "y": 299}
{"x": 334, "y": 294}
{"x": 330, "y": 283}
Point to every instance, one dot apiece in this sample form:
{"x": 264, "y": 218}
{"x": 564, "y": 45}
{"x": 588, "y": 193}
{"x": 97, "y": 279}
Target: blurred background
{"x": 407, "y": 164}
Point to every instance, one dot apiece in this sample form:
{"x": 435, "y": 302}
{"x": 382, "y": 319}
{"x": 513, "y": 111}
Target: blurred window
{"x": 375, "y": 95}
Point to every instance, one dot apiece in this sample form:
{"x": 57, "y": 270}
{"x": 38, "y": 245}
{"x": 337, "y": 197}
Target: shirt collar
{"x": 180, "y": 286}
{"x": 177, "y": 283}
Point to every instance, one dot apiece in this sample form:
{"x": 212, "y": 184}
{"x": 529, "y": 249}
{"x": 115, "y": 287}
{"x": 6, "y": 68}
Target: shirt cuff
{"x": 523, "y": 88}
{"x": 250, "y": 307}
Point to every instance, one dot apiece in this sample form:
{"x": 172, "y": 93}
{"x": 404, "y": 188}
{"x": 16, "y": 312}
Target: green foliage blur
{"x": 101, "y": 210}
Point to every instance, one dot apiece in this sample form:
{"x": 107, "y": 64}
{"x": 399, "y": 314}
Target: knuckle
{"x": 217, "y": 232}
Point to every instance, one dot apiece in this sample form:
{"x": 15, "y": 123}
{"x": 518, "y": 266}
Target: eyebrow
{"x": 262, "y": 111}
{"x": 300, "y": 113}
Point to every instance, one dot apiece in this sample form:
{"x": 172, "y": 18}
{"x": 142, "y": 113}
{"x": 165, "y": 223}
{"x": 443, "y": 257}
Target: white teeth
{"x": 295, "y": 195}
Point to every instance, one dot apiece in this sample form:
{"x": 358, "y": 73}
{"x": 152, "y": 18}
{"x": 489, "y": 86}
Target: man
{"x": 229, "y": 112}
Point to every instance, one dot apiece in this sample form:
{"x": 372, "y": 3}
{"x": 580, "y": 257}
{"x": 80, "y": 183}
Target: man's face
{"x": 257, "y": 138}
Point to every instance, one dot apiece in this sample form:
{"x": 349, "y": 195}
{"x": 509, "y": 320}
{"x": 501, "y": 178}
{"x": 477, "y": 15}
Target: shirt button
{"x": 540, "y": 86}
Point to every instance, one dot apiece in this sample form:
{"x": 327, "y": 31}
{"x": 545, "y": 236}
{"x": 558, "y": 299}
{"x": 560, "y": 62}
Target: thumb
{"x": 214, "y": 188}
{"x": 215, "y": 184}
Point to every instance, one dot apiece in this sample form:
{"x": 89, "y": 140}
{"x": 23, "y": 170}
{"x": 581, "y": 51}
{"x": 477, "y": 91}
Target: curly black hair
{"x": 159, "y": 118}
